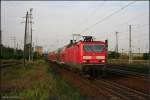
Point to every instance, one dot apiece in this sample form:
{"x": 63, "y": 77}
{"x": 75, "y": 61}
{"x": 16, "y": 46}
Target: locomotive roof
{"x": 69, "y": 45}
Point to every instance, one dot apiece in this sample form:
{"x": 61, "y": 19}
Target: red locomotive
{"x": 86, "y": 56}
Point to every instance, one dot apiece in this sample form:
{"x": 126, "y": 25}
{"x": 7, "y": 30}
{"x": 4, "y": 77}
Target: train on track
{"x": 85, "y": 56}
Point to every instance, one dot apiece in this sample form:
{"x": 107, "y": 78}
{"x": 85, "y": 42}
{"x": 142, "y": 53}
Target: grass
{"x": 38, "y": 81}
{"x": 126, "y": 61}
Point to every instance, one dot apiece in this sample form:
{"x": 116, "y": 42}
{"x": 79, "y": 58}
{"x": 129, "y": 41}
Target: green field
{"x": 126, "y": 61}
{"x": 38, "y": 81}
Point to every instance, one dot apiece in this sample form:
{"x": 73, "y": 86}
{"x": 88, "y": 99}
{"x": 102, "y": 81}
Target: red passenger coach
{"x": 85, "y": 56}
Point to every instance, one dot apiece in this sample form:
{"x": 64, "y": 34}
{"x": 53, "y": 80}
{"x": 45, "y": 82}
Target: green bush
{"x": 10, "y": 53}
{"x": 145, "y": 56}
{"x": 113, "y": 55}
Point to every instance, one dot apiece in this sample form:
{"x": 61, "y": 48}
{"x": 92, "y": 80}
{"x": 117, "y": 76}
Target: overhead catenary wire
{"x": 136, "y": 29}
{"x": 131, "y": 19}
{"x": 105, "y": 18}
{"x": 93, "y": 12}
{"x": 86, "y": 20}
{"x": 138, "y": 26}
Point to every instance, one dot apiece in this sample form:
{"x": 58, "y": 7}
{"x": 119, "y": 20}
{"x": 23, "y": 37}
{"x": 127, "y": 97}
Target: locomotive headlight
{"x": 100, "y": 57}
{"x": 87, "y": 57}
{"x": 103, "y": 61}
{"x": 84, "y": 61}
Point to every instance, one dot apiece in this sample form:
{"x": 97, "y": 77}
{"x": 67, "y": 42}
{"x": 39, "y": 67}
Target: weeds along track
{"x": 123, "y": 92}
{"x": 98, "y": 89}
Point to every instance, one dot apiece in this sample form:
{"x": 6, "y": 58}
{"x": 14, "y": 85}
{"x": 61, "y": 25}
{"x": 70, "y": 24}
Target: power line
{"x": 141, "y": 27}
{"x": 100, "y": 21}
{"x": 137, "y": 28}
{"x": 132, "y": 19}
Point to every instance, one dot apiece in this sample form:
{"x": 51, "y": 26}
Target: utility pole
{"x": 14, "y": 40}
{"x": 28, "y": 36}
{"x": 25, "y": 36}
{"x": 14, "y": 44}
{"x": 33, "y": 50}
{"x": 130, "y": 48}
{"x": 106, "y": 41}
{"x": 1, "y": 42}
{"x": 122, "y": 51}
{"x": 116, "y": 44}
{"x": 139, "y": 51}
{"x": 149, "y": 56}
{"x": 17, "y": 47}
{"x": 149, "y": 49}
{"x": 31, "y": 32}
{"x": 0, "y": 37}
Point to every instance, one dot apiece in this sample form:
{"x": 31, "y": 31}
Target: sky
{"x": 56, "y": 21}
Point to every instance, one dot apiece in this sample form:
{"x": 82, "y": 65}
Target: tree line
{"x": 11, "y": 53}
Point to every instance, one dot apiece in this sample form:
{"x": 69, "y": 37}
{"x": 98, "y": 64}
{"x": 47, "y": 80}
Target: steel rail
{"x": 123, "y": 71}
{"x": 128, "y": 93}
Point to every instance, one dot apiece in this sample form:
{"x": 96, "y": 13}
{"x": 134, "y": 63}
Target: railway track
{"x": 121, "y": 91}
{"x": 101, "y": 88}
{"x": 98, "y": 93}
{"x": 127, "y": 72}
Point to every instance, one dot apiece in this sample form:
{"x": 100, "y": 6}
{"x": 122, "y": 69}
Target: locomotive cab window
{"x": 93, "y": 47}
